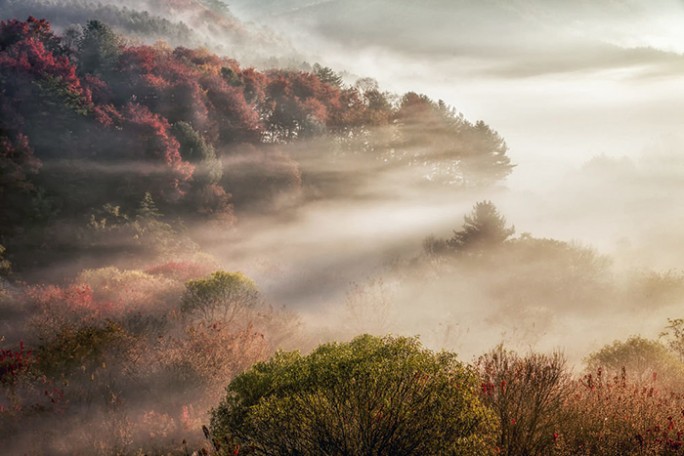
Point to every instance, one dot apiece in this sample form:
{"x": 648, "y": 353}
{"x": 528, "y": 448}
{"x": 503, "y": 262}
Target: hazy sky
{"x": 561, "y": 81}
{"x": 587, "y": 94}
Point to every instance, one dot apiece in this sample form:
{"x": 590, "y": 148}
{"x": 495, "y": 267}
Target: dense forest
{"x": 125, "y": 170}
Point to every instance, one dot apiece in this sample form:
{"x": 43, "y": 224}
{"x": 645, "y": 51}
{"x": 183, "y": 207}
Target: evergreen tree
{"x": 327, "y": 75}
{"x": 98, "y": 48}
{"x": 483, "y": 229}
{"x": 148, "y": 208}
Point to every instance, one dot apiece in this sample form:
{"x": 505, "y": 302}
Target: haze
{"x": 344, "y": 226}
{"x": 562, "y": 82}
{"x": 587, "y": 95}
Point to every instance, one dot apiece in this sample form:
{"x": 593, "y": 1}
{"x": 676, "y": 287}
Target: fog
{"x": 588, "y": 98}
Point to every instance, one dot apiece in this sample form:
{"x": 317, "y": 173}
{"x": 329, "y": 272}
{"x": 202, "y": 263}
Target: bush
{"x": 528, "y": 394}
{"x": 641, "y": 358}
{"x": 381, "y": 396}
{"x": 608, "y": 416}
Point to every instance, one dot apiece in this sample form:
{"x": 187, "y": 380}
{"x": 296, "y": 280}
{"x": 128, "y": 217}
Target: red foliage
{"x": 235, "y": 120}
{"x": 297, "y": 101}
{"x": 107, "y": 115}
{"x": 350, "y": 112}
{"x": 101, "y": 92}
{"x": 13, "y": 31}
{"x": 254, "y": 86}
{"x": 138, "y": 60}
{"x": 14, "y": 363}
{"x": 28, "y": 51}
{"x": 149, "y": 138}
{"x": 76, "y": 298}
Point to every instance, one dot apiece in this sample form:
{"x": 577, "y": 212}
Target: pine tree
{"x": 483, "y": 229}
{"x": 148, "y": 208}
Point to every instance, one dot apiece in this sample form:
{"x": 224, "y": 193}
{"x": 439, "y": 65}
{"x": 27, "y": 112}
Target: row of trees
{"x": 390, "y": 396}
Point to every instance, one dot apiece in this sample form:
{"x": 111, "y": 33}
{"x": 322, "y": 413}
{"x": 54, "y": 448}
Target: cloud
{"x": 503, "y": 38}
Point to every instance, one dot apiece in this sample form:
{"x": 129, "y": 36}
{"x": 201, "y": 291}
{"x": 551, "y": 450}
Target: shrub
{"x": 528, "y": 395}
{"x": 641, "y": 358}
{"x": 381, "y": 396}
{"x": 608, "y": 416}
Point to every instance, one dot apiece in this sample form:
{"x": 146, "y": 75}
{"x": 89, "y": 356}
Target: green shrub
{"x": 379, "y": 396}
{"x": 641, "y": 358}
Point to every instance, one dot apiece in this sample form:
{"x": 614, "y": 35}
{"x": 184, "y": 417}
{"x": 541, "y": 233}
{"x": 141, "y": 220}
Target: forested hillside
{"x": 192, "y": 23}
{"x": 93, "y": 127}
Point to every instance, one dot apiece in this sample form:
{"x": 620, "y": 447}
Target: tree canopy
{"x": 383, "y": 396}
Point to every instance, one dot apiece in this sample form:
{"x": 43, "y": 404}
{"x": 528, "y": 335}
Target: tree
{"x": 148, "y": 208}
{"x": 641, "y": 359}
{"x": 147, "y": 138}
{"x": 451, "y": 149}
{"x": 379, "y": 396}
{"x": 216, "y": 5}
{"x": 327, "y": 75}
{"x": 297, "y": 105}
{"x": 195, "y": 149}
{"x": 221, "y": 295}
{"x": 674, "y": 336}
{"x": 98, "y": 49}
{"x": 485, "y": 160}
{"x": 483, "y": 229}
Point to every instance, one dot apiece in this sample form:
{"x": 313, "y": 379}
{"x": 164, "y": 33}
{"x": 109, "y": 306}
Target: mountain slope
{"x": 189, "y": 23}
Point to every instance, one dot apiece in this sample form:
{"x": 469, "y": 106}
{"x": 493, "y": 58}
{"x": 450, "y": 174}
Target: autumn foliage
{"x": 88, "y": 115}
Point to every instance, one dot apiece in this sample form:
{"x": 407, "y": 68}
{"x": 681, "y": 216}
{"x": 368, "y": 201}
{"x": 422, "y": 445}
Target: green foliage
{"x": 222, "y": 295}
{"x": 148, "y": 208}
{"x": 143, "y": 234}
{"x": 327, "y": 75}
{"x": 482, "y": 230}
{"x": 98, "y": 49}
{"x": 87, "y": 347}
{"x": 551, "y": 274}
{"x": 195, "y": 149}
{"x": 450, "y": 149}
{"x": 657, "y": 289}
{"x": 485, "y": 161}
{"x": 380, "y": 396}
{"x": 641, "y": 358}
{"x": 58, "y": 94}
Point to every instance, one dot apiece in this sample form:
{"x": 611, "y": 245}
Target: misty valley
{"x": 227, "y": 230}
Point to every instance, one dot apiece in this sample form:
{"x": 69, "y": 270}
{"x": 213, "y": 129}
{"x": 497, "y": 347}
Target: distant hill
{"x": 190, "y": 23}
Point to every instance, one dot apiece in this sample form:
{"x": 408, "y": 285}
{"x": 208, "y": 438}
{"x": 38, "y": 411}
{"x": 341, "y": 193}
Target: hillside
{"x": 191, "y": 23}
